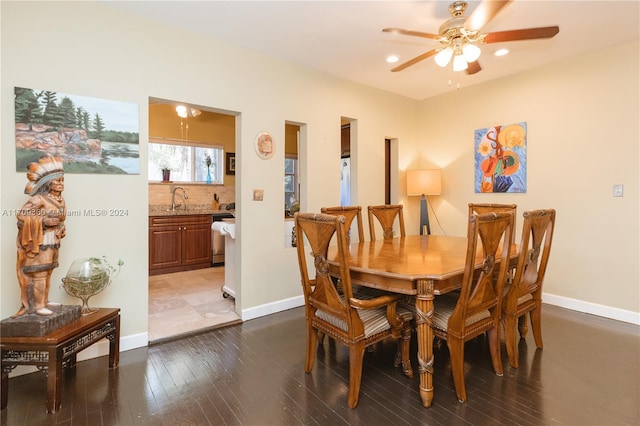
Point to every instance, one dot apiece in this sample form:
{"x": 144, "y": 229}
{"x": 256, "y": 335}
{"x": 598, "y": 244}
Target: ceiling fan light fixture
{"x": 459, "y": 63}
{"x": 471, "y": 52}
{"x": 459, "y": 36}
{"x": 443, "y": 57}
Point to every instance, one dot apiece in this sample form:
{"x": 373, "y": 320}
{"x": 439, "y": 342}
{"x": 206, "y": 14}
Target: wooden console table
{"x": 58, "y": 349}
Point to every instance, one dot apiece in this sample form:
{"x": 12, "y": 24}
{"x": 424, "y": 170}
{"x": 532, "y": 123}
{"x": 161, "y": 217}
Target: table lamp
{"x": 424, "y": 182}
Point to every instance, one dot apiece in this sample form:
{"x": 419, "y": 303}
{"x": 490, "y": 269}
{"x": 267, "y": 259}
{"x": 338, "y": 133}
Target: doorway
{"x": 348, "y": 150}
{"x": 191, "y": 301}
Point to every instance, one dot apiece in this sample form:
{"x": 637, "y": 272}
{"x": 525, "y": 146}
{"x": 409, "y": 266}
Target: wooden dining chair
{"x": 357, "y": 323}
{"x": 524, "y": 294}
{"x": 405, "y": 310}
{"x": 386, "y": 215}
{"x": 350, "y": 213}
{"x": 477, "y": 308}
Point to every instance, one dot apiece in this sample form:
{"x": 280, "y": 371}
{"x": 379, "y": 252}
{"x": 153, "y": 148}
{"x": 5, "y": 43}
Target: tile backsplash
{"x": 199, "y": 195}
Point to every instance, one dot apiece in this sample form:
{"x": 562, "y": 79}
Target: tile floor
{"x": 186, "y": 302}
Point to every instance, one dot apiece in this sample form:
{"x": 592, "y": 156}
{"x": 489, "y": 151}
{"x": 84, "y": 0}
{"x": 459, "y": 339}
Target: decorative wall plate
{"x": 265, "y": 145}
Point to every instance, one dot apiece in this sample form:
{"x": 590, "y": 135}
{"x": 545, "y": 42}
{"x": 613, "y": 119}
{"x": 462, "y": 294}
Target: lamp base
{"x": 425, "y": 229}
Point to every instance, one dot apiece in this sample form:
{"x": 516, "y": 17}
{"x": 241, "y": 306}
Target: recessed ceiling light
{"x": 501, "y": 52}
{"x": 392, "y": 59}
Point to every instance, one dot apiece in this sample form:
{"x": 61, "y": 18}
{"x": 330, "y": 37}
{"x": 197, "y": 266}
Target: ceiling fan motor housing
{"x": 453, "y": 28}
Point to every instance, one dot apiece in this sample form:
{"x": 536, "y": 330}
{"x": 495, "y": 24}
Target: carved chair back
{"x": 386, "y": 215}
{"x": 481, "y": 208}
{"x": 350, "y": 213}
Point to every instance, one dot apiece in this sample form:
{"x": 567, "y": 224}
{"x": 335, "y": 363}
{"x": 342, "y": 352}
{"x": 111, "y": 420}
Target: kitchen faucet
{"x": 174, "y": 206}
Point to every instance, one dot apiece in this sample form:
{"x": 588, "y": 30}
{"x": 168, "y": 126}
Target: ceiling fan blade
{"x": 523, "y": 34}
{"x": 472, "y": 68}
{"x": 484, "y": 13}
{"x": 411, "y": 33}
{"x": 415, "y": 60}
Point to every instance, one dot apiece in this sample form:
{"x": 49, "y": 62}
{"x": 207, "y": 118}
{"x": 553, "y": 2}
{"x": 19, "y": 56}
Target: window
{"x": 188, "y": 163}
{"x": 290, "y": 182}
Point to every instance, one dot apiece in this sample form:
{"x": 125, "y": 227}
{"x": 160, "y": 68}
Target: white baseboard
{"x": 272, "y": 308}
{"x": 592, "y": 308}
{"x": 560, "y": 301}
{"x": 142, "y": 339}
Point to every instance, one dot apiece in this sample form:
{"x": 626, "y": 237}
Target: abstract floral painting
{"x": 501, "y": 158}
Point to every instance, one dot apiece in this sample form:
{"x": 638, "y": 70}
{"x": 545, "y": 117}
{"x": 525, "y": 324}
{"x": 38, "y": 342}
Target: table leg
{"x": 114, "y": 345}
{"x": 4, "y": 386}
{"x": 424, "y": 313}
{"x": 54, "y": 380}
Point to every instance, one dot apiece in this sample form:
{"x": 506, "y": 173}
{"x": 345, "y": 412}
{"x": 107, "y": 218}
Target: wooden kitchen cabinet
{"x": 179, "y": 243}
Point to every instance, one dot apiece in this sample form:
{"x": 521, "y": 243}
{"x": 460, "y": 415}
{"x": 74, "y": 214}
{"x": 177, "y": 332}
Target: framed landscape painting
{"x": 90, "y": 135}
{"x": 501, "y": 158}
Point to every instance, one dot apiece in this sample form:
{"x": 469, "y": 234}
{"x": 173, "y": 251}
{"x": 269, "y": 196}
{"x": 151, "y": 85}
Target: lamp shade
{"x": 427, "y": 182}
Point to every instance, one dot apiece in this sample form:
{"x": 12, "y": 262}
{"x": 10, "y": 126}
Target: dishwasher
{"x": 217, "y": 239}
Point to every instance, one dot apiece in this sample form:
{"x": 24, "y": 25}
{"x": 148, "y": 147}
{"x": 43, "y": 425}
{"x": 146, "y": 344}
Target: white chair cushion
{"x": 374, "y": 320}
{"x": 443, "y": 308}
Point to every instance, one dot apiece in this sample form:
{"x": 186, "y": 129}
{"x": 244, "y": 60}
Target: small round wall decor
{"x": 265, "y": 145}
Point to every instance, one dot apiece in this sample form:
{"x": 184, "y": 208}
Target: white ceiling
{"x": 344, "y": 38}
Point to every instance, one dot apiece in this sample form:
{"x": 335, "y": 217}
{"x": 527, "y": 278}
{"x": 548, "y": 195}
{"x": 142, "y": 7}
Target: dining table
{"x": 423, "y": 266}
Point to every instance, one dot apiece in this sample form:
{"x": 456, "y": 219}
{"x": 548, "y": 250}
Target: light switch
{"x": 617, "y": 190}
{"x": 258, "y": 194}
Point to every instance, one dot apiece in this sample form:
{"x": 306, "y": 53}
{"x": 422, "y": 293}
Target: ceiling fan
{"x": 460, "y": 35}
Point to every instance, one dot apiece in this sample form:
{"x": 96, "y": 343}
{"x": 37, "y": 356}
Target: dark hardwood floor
{"x": 252, "y": 374}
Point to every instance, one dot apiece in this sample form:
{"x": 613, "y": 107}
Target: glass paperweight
{"x": 88, "y": 277}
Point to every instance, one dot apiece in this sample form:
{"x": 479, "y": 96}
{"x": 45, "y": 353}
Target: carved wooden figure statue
{"x": 40, "y": 229}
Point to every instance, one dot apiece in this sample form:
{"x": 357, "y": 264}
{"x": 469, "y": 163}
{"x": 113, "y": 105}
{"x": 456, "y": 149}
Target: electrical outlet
{"x": 617, "y": 190}
{"x": 258, "y": 194}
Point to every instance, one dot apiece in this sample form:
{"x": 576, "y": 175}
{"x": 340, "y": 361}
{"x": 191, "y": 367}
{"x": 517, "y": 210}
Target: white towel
{"x": 225, "y": 228}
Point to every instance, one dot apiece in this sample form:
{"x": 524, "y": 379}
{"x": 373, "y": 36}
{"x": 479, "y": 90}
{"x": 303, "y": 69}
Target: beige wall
{"x": 583, "y": 137}
{"x": 129, "y": 59}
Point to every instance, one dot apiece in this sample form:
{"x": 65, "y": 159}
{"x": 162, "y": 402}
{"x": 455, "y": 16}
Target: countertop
{"x": 191, "y": 210}
{"x": 181, "y": 211}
